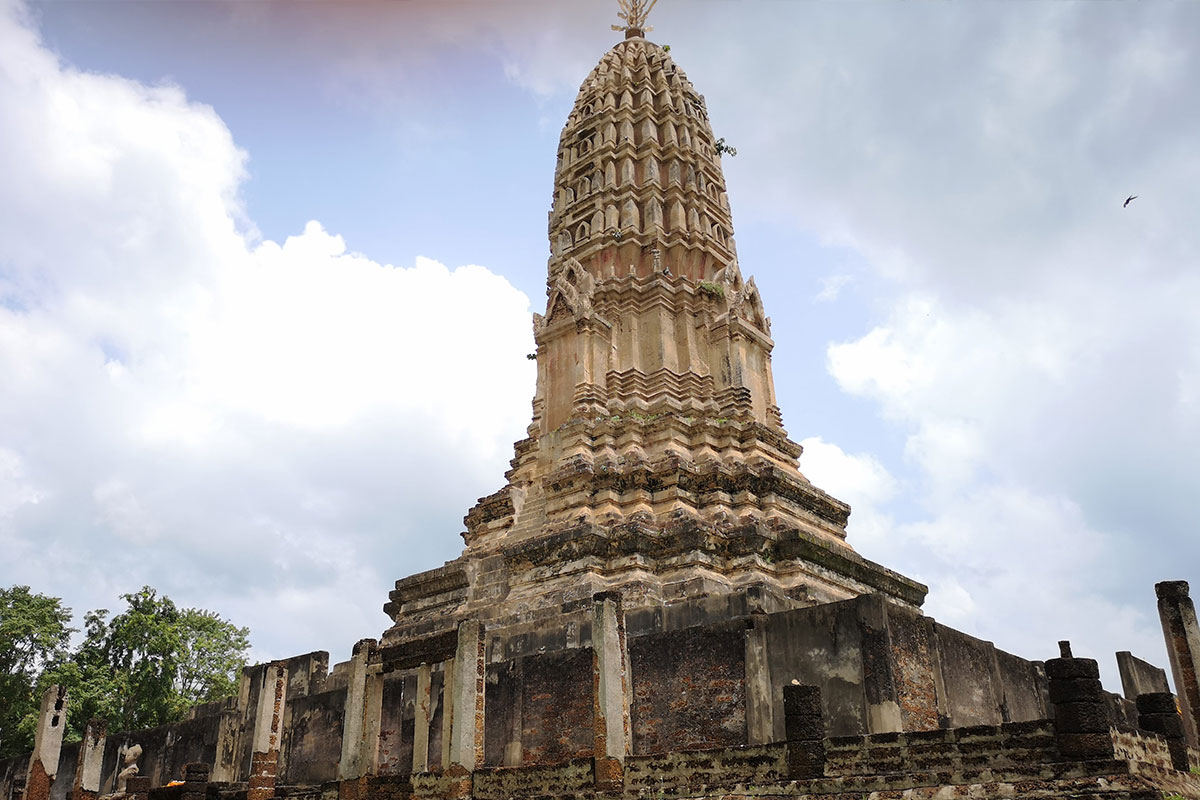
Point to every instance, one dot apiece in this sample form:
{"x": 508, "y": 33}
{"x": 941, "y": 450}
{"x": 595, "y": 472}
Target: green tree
{"x": 143, "y": 667}
{"x": 148, "y": 664}
{"x": 34, "y": 635}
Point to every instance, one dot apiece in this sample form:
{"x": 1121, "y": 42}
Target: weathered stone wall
{"x": 165, "y": 751}
{"x": 539, "y": 709}
{"x": 967, "y": 666}
{"x": 67, "y": 759}
{"x": 13, "y": 771}
{"x": 312, "y": 739}
{"x": 689, "y": 688}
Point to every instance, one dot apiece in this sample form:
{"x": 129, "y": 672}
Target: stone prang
{"x": 656, "y": 440}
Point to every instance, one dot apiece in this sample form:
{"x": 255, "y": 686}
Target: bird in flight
{"x": 1129, "y": 199}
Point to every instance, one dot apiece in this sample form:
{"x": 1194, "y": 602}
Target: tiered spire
{"x": 656, "y": 463}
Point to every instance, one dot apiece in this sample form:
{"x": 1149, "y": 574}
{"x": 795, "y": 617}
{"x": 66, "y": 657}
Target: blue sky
{"x": 266, "y": 272}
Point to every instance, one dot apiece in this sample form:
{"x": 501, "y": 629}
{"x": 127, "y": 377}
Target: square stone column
{"x": 47, "y": 744}
{"x": 1158, "y": 713}
{"x": 804, "y": 727}
{"x": 1081, "y": 717}
{"x": 423, "y": 711}
{"x": 466, "y": 698}
{"x": 355, "y": 715}
{"x": 195, "y": 781}
{"x": 268, "y": 730}
{"x": 1182, "y": 634}
{"x": 760, "y": 711}
{"x": 611, "y": 681}
{"x": 137, "y": 787}
{"x": 90, "y": 763}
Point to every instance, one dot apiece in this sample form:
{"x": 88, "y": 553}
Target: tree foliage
{"x": 142, "y": 667}
{"x": 34, "y": 635}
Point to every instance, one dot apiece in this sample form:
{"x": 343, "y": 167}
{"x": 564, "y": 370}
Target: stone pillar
{"x": 195, "y": 781}
{"x": 47, "y": 744}
{"x": 1182, "y": 634}
{"x": 268, "y": 729}
{"x": 610, "y": 671}
{"x": 879, "y": 681}
{"x": 760, "y": 711}
{"x": 1157, "y": 713}
{"x": 423, "y": 709}
{"x": 354, "y": 715}
{"x": 466, "y": 698}
{"x": 137, "y": 787}
{"x": 90, "y": 764}
{"x": 1081, "y": 720}
{"x": 447, "y": 710}
{"x": 804, "y": 727}
{"x": 372, "y": 720}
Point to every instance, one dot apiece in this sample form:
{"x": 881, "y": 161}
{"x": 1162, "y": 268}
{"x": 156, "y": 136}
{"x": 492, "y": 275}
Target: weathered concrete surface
{"x": 611, "y": 687}
{"x": 1140, "y": 677}
{"x": 312, "y": 745}
{"x": 355, "y": 760}
{"x": 89, "y": 763}
{"x": 268, "y": 732}
{"x": 467, "y": 694}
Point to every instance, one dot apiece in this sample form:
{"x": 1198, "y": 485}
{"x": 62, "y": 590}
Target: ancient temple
{"x": 657, "y": 602}
{"x": 656, "y": 464}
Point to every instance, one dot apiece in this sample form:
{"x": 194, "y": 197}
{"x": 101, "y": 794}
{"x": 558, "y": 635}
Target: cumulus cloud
{"x": 1035, "y": 343}
{"x": 280, "y": 428}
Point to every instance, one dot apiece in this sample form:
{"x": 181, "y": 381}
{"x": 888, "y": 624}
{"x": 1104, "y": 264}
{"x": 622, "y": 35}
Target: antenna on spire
{"x": 634, "y": 13}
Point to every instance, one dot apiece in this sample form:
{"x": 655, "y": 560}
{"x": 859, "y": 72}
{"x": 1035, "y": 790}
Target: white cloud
{"x": 279, "y": 428}
{"x": 857, "y": 479}
{"x": 831, "y": 287}
{"x": 1032, "y": 344}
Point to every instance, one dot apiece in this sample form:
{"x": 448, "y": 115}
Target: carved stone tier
{"x": 653, "y": 562}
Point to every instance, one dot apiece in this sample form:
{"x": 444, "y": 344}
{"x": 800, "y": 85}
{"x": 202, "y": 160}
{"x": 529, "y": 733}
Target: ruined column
{"x": 760, "y": 711}
{"x": 353, "y": 719}
{"x": 90, "y": 764}
{"x": 195, "y": 781}
{"x": 1182, "y": 634}
{"x": 466, "y": 698}
{"x": 447, "y": 711}
{"x": 1081, "y": 719}
{"x": 47, "y": 744}
{"x": 372, "y": 720}
{"x": 611, "y": 688}
{"x": 422, "y": 707}
{"x": 268, "y": 728}
{"x": 1158, "y": 713}
{"x": 879, "y": 680}
{"x": 804, "y": 727}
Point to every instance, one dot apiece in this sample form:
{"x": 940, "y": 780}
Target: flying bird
{"x": 1129, "y": 199}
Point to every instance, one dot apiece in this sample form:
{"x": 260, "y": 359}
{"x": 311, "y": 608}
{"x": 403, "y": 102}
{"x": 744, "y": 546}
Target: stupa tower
{"x": 656, "y": 463}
